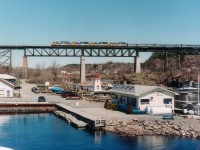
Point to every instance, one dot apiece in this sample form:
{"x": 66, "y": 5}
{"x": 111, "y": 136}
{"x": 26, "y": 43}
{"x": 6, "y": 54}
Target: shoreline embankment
{"x": 26, "y": 108}
{"x": 136, "y": 127}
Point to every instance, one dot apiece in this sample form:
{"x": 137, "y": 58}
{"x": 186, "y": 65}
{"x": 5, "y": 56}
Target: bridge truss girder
{"x": 5, "y": 58}
{"x": 75, "y": 52}
{"x": 104, "y": 51}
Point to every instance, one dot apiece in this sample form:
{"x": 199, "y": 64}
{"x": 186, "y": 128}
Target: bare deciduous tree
{"x": 54, "y": 70}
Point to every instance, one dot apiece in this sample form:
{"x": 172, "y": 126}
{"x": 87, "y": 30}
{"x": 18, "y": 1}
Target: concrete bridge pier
{"x": 25, "y": 66}
{"x": 82, "y": 69}
{"x": 137, "y": 65}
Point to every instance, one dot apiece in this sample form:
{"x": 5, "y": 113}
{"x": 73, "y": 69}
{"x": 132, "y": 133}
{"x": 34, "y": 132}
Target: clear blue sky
{"x": 39, "y": 22}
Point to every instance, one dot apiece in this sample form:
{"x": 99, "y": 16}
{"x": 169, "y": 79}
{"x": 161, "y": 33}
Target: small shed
{"x": 139, "y": 97}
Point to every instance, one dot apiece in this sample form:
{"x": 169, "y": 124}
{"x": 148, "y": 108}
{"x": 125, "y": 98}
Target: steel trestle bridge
{"x": 82, "y": 51}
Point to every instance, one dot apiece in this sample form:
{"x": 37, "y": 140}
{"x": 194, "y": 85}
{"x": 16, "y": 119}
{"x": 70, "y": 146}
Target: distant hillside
{"x": 188, "y": 66}
{"x": 154, "y": 70}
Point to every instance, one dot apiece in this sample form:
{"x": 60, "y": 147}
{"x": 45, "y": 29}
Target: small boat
{"x": 5, "y": 148}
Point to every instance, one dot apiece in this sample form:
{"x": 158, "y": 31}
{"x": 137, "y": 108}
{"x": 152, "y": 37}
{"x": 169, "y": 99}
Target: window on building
{"x": 125, "y": 100}
{"x": 1, "y": 92}
{"x": 167, "y": 101}
{"x": 144, "y": 101}
{"x": 182, "y": 96}
{"x": 120, "y": 100}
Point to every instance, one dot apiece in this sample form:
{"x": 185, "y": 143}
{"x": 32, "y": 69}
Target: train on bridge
{"x": 123, "y": 44}
{"x": 89, "y": 43}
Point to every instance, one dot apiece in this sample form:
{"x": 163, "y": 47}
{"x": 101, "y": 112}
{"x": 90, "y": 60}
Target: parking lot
{"x": 28, "y": 96}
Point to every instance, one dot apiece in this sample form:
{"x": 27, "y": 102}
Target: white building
{"x": 6, "y": 88}
{"x": 140, "y": 97}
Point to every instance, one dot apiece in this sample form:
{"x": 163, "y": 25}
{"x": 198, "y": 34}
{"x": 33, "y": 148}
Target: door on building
{"x": 8, "y": 93}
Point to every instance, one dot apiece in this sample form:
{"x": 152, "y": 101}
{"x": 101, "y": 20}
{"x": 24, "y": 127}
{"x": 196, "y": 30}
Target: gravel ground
{"x": 94, "y": 108}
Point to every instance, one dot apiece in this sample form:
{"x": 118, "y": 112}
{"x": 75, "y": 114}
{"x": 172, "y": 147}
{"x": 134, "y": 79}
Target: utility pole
{"x": 198, "y": 93}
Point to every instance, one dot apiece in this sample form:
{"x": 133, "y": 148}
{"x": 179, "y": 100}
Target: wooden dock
{"x": 92, "y": 121}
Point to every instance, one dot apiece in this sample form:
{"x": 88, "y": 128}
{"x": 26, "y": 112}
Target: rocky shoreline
{"x": 136, "y": 127}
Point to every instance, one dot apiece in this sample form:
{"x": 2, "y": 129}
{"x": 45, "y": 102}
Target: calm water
{"x": 46, "y": 131}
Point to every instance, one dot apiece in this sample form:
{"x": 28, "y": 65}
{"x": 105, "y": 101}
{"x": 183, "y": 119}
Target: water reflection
{"x": 5, "y": 119}
{"x": 98, "y": 137}
{"x": 156, "y": 142}
{"x": 42, "y": 115}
